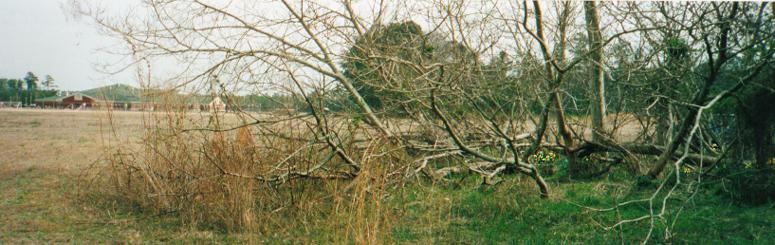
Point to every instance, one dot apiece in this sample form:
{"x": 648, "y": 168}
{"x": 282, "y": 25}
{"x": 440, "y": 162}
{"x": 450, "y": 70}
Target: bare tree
{"x": 485, "y": 85}
{"x": 597, "y": 75}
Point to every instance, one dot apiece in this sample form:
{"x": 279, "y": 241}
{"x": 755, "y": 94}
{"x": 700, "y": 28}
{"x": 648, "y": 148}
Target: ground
{"x": 43, "y": 155}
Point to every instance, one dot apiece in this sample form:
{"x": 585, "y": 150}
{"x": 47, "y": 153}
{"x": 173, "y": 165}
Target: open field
{"x": 43, "y": 154}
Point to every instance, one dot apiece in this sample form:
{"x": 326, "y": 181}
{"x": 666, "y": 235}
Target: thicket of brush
{"x": 265, "y": 179}
{"x": 197, "y": 168}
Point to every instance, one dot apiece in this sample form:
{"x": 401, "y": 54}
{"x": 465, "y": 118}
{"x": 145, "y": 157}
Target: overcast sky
{"x": 38, "y": 36}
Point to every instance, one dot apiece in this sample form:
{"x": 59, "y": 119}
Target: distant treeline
{"x": 26, "y": 89}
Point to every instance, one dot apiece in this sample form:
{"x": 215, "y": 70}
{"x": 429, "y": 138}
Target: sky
{"x": 42, "y": 37}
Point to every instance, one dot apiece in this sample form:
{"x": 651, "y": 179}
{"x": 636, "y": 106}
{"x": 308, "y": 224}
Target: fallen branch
{"x": 642, "y": 149}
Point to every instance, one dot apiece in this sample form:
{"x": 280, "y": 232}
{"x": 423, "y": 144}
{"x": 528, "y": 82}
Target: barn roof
{"x": 50, "y": 99}
{"x": 61, "y": 98}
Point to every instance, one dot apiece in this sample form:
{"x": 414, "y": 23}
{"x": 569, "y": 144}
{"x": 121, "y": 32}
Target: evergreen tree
{"x": 48, "y": 82}
{"x": 32, "y": 84}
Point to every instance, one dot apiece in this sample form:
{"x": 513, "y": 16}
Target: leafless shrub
{"x": 425, "y": 92}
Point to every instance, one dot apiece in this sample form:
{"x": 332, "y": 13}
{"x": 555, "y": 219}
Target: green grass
{"x": 511, "y": 214}
{"x": 42, "y": 206}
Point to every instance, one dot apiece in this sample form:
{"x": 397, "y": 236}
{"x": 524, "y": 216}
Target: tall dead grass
{"x": 279, "y": 178}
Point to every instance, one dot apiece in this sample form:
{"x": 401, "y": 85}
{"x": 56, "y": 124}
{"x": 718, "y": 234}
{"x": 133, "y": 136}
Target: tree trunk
{"x": 574, "y": 168}
{"x": 596, "y": 75}
{"x": 568, "y": 141}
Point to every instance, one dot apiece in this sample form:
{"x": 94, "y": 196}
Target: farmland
{"x": 43, "y": 156}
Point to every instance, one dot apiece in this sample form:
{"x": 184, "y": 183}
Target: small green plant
{"x": 357, "y": 121}
{"x": 545, "y": 160}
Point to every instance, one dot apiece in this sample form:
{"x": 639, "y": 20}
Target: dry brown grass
{"x": 73, "y": 169}
{"x": 264, "y": 180}
{"x": 41, "y": 155}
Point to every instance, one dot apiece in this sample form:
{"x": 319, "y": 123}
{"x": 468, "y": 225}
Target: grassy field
{"x": 42, "y": 157}
{"x": 44, "y": 198}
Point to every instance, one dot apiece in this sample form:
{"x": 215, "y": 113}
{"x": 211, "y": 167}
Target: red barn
{"x": 73, "y": 101}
